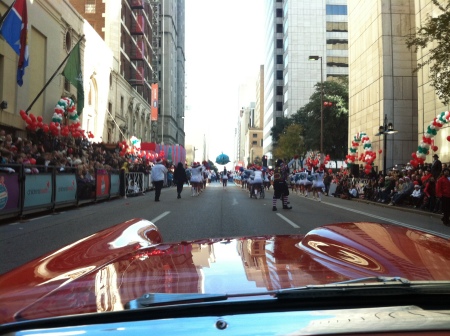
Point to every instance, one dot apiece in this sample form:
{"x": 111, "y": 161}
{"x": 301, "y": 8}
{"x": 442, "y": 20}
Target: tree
{"x": 280, "y": 127}
{"x": 290, "y": 143}
{"x": 435, "y": 35}
{"x": 335, "y": 115}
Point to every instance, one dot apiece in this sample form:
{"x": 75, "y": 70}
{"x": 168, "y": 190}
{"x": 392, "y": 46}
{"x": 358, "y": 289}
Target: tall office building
{"x": 297, "y": 30}
{"x": 382, "y": 84}
{"x": 147, "y": 39}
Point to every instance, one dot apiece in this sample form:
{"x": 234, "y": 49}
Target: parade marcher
{"x": 257, "y": 180}
{"x": 443, "y": 193}
{"x": 224, "y": 177}
{"x": 180, "y": 178}
{"x": 280, "y": 187}
{"x": 318, "y": 185}
{"x": 159, "y": 174}
{"x": 196, "y": 178}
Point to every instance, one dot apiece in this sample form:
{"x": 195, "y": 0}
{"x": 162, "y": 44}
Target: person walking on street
{"x": 180, "y": 178}
{"x": 224, "y": 177}
{"x": 159, "y": 173}
{"x": 443, "y": 193}
{"x": 280, "y": 187}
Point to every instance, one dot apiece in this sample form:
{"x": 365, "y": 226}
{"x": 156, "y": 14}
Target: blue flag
{"x": 15, "y": 31}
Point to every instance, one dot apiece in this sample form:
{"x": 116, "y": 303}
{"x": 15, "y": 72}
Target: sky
{"x": 224, "y": 50}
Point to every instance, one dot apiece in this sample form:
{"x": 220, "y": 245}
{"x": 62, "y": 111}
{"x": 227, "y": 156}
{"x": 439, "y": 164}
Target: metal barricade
{"x": 134, "y": 184}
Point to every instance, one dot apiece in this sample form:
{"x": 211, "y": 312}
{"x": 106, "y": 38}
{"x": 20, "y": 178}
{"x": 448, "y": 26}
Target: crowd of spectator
{"x": 409, "y": 186}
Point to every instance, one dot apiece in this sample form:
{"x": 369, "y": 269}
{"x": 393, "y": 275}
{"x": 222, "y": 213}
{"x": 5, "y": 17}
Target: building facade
{"x": 147, "y": 39}
{"x": 299, "y": 31}
{"x": 382, "y": 84}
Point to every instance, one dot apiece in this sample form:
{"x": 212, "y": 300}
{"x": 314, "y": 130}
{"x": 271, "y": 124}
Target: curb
{"x": 401, "y": 208}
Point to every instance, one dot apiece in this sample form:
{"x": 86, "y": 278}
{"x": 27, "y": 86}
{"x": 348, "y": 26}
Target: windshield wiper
{"x": 161, "y": 299}
{"x": 378, "y": 279}
{"x": 369, "y": 286}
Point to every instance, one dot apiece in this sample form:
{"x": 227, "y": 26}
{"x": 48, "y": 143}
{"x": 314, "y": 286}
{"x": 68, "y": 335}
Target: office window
{"x": 279, "y": 28}
{"x": 279, "y": 13}
{"x": 279, "y": 90}
{"x": 89, "y": 7}
{"x": 279, "y": 43}
{"x": 255, "y": 135}
{"x": 337, "y": 27}
{"x": 254, "y": 143}
{"x": 336, "y": 10}
{"x": 279, "y": 74}
{"x": 279, "y": 106}
{"x": 279, "y": 59}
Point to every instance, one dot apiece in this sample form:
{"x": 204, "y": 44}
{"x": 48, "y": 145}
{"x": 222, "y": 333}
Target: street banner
{"x": 154, "y": 111}
{"x": 9, "y": 192}
{"x": 38, "y": 190}
{"x": 66, "y": 190}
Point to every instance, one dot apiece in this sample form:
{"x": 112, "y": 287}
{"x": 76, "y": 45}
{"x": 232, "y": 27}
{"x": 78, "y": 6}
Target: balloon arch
{"x": 427, "y": 142}
{"x": 418, "y": 157}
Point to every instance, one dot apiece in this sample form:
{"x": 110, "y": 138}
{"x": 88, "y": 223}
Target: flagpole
{"x": 6, "y": 13}
{"x": 53, "y": 76}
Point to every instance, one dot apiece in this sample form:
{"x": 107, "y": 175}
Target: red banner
{"x": 154, "y": 111}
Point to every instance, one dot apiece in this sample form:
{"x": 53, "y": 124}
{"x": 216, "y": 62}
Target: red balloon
{"x": 435, "y": 148}
{"x": 448, "y": 138}
{"x": 33, "y": 161}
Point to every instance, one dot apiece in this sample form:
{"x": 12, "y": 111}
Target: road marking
{"x": 390, "y": 220}
{"x": 288, "y": 221}
{"x": 164, "y": 214}
{"x": 235, "y": 202}
{"x": 33, "y": 219}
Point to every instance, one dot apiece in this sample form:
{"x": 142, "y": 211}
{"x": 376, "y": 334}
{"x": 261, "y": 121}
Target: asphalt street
{"x": 216, "y": 212}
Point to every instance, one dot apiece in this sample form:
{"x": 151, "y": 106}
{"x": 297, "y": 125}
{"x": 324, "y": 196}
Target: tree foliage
{"x": 335, "y": 119}
{"x": 290, "y": 143}
{"x": 335, "y": 122}
{"x": 435, "y": 35}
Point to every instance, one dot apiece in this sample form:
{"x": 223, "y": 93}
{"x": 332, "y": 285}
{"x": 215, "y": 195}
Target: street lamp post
{"x": 387, "y": 128}
{"x": 315, "y": 58}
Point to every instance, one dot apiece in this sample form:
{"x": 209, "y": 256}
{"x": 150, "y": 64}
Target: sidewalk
{"x": 406, "y": 208}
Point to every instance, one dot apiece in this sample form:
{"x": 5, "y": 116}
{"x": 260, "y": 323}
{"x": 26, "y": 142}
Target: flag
{"x": 72, "y": 72}
{"x": 14, "y": 30}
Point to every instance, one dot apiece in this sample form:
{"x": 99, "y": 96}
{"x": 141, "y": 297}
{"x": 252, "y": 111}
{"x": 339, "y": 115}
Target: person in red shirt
{"x": 443, "y": 193}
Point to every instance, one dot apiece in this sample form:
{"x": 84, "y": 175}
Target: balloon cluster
{"x": 316, "y": 160}
{"x": 135, "y": 152}
{"x": 368, "y": 156}
{"x": 423, "y": 149}
{"x": 64, "y": 109}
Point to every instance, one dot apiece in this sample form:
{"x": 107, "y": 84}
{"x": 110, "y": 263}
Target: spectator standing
{"x": 180, "y": 178}
{"x": 443, "y": 193}
{"x": 436, "y": 167}
{"x": 429, "y": 191}
{"x": 159, "y": 173}
{"x": 327, "y": 182}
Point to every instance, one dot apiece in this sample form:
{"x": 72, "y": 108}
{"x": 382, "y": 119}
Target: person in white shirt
{"x": 159, "y": 173}
{"x": 224, "y": 177}
{"x": 256, "y": 181}
{"x": 196, "y": 178}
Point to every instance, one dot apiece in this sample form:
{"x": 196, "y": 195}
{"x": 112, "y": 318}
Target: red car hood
{"x": 105, "y": 271}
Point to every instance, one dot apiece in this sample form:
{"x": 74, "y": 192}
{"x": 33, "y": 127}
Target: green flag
{"x": 74, "y": 75}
